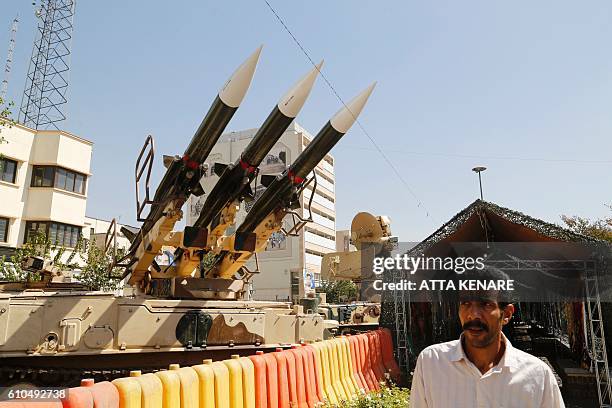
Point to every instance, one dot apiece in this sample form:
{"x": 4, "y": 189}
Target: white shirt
{"x": 445, "y": 378}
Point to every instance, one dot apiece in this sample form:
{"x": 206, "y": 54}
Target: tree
{"x": 90, "y": 262}
{"x": 339, "y": 291}
{"x": 5, "y": 121}
{"x": 600, "y": 229}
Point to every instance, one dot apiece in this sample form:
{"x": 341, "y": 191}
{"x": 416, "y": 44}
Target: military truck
{"x": 53, "y": 332}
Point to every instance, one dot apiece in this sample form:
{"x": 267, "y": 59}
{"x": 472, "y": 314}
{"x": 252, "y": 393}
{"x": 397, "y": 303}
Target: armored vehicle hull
{"x": 56, "y": 337}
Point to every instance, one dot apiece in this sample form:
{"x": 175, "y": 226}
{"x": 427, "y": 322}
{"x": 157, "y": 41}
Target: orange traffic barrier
{"x": 31, "y": 404}
{"x": 222, "y": 385}
{"x": 151, "y": 395}
{"x": 356, "y": 366}
{"x": 375, "y": 357}
{"x": 261, "y": 383}
{"x": 292, "y": 378}
{"x": 284, "y": 393}
{"x": 315, "y": 374}
{"x": 387, "y": 354}
{"x": 79, "y": 397}
{"x": 272, "y": 389}
{"x": 303, "y": 382}
{"x": 368, "y": 373}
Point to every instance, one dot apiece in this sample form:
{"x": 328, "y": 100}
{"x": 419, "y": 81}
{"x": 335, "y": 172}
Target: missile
{"x": 281, "y": 192}
{"x": 234, "y": 181}
{"x": 182, "y": 176}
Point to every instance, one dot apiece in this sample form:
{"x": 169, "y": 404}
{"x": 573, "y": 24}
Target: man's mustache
{"x": 475, "y": 324}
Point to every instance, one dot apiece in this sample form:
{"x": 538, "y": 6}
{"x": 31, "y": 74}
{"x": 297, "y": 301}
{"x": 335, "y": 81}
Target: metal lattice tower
{"x": 596, "y": 339}
{"x": 44, "y": 96}
{"x": 9, "y": 59}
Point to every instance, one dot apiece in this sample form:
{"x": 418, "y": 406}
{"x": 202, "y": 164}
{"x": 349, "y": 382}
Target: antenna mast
{"x": 44, "y": 95}
{"x": 9, "y": 60}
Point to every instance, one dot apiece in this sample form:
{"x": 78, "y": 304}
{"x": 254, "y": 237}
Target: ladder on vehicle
{"x": 402, "y": 323}
{"x": 596, "y": 340}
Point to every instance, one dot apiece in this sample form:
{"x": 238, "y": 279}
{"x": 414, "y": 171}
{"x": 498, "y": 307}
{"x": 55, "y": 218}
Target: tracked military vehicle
{"x": 55, "y": 333}
{"x": 371, "y": 236}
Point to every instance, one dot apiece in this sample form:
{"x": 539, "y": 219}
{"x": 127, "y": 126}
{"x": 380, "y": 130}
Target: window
{"x": 59, "y": 234}
{"x": 8, "y": 170}
{"x": 58, "y": 177}
{"x": 4, "y": 224}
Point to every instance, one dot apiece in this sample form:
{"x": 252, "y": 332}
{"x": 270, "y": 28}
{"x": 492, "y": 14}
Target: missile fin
{"x": 236, "y": 87}
{"x": 267, "y": 179}
{"x": 248, "y": 193}
{"x": 128, "y": 234}
{"x": 219, "y": 168}
{"x": 295, "y": 202}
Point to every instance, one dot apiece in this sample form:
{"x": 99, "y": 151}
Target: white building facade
{"x": 288, "y": 262}
{"x": 44, "y": 178}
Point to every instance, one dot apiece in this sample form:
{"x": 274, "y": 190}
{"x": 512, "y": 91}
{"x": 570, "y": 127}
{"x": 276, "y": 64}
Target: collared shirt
{"x": 445, "y": 378}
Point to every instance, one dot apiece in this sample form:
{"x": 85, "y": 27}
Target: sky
{"x": 523, "y": 88}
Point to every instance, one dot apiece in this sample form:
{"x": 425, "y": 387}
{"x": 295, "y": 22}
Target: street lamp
{"x": 479, "y": 169}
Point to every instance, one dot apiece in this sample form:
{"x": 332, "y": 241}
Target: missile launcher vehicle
{"x": 55, "y": 333}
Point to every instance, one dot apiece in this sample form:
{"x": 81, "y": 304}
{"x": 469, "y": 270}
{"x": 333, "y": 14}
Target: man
{"x": 482, "y": 369}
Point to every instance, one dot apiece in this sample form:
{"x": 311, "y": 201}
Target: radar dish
{"x": 365, "y": 228}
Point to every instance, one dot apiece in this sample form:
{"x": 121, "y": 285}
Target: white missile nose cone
{"x": 291, "y": 104}
{"x": 344, "y": 119}
{"x": 237, "y": 85}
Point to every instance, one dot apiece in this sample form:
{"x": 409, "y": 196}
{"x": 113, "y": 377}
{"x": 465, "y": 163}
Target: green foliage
{"x": 37, "y": 245}
{"x": 94, "y": 272}
{"x": 339, "y": 291}
{"x": 5, "y": 116}
{"x": 600, "y": 229}
{"x": 89, "y": 261}
{"x": 388, "y": 397}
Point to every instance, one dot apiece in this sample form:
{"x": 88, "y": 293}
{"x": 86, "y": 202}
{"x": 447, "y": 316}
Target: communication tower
{"x": 44, "y": 96}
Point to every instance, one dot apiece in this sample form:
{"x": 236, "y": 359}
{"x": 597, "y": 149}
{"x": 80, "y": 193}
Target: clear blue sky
{"x": 503, "y": 81}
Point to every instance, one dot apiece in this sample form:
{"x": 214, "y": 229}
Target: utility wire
{"x": 472, "y": 156}
{"x": 380, "y": 151}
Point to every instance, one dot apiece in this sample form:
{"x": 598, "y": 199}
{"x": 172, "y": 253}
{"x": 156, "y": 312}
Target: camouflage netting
{"x": 430, "y": 325}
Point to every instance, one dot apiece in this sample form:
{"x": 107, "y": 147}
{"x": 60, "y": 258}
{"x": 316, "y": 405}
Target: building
{"x": 44, "y": 179}
{"x": 43, "y": 184}
{"x": 343, "y": 241}
{"x": 289, "y": 263}
{"x": 96, "y": 229}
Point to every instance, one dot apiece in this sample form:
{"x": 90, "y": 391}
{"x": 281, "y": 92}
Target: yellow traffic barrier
{"x": 248, "y": 381}
{"x": 151, "y": 387}
{"x": 235, "y": 383}
{"x": 346, "y": 346}
{"x": 332, "y": 357}
{"x": 343, "y": 370}
{"x": 129, "y": 392}
{"x": 222, "y": 385}
{"x": 171, "y": 384}
{"x": 190, "y": 397}
{"x": 324, "y": 374}
{"x": 206, "y": 377}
